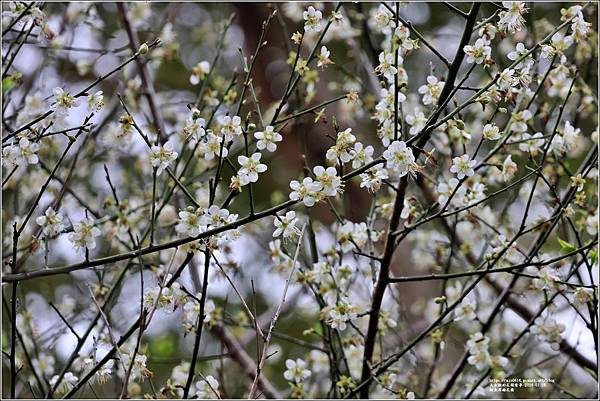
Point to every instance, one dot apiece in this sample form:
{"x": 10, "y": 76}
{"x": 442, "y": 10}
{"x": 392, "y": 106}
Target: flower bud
{"x": 440, "y": 300}
{"x": 195, "y": 113}
{"x": 143, "y": 48}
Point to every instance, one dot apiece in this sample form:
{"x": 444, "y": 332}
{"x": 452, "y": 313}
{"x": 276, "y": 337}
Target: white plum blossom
{"x": 319, "y": 361}
{"x": 548, "y": 329}
{"x": 191, "y": 311}
{"x": 308, "y": 191}
{"x": 417, "y": 122}
{"x": 214, "y": 216}
{"x": 517, "y": 54}
{"x": 477, "y": 345}
{"x": 387, "y": 66}
{"x": 286, "y": 225}
{"x": 51, "y": 222}
{"x": 162, "y": 156}
{"x": 583, "y": 295}
{"x": 400, "y": 188}
{"x": 446, "y": 190}
{"x": 519, "y": 120}
{"x": 331, "y": 183}
{"x": 44, "y": 364}
{"x": 531, "y": 143}
{"x": 432, "y": 90}
{"x": 251, "y": 167}
{"x": 312, "y": 18}
{"x": 139, "y": 369}
{"x": 476, "y": 193}
{"x": 199, "y": 72}
{"x": 548, "y": 279}
{"x": 361, "y": 155}
{"x": 507, "y": 79}
{"x": 189, "y": 222}
{"x": 463, "y": 166}
{"x": 399, "y": 158}
{"x": 207, "y": 388}
{"x": 547, "y": 51}
{"x": 95, "y": 102}
{"x": 34, "y": 106}
{"x": 565, "y": 141}
{"x": 512, "y": 19}
{"x": 84, "y": 234}
{"x": 401, "y": 38}
{"x": 466, "y": 309}
{"x": 268, "y": 139}
{"x": 509, "y": 168}
{"x": 231, "y": 127}
{"x": 478, "y": 53}
{"x": 570, "y": 134}
{"x": 194, "y": 129}
{"x": 213, "y": 146}
{"x": 342, "y": 149}
{"x": 491, "y": 132}
{"x": 323, "y": 59}
{"x": 69, "y": 380}
{"x": 25, "y": 153}
{"x": 580, "y": 28}
{"x": 296, "y": 371}
{"x": 383, "y": 20}
{"x": 63, "y": 102}
{"x": 339, "y": 315}
{"x": 344, "y": 236}
{"x": 373, "y": 178}
{"x": 561, "y": 43}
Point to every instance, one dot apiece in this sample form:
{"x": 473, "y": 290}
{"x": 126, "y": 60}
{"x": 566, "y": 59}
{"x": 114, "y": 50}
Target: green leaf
{"x": 7, "y": 84}
{"x": 10, "y": 81}
{"x": 566, "y": 247}
{"x": 594, "y": 256}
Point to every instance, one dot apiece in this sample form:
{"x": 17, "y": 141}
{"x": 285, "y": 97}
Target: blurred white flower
{"x": 25, "y": 153}
{"x": 199, "y": 72}
{"x": 68, "y": 381}
{"x": 84, "y": 234}
{"x": 207, "y": 388}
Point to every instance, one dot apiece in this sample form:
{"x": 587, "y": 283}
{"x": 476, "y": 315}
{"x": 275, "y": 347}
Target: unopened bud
{"x": 143, "y": 48}
{"x": 251, "y": 127}
{"x": 195, "y": 113}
